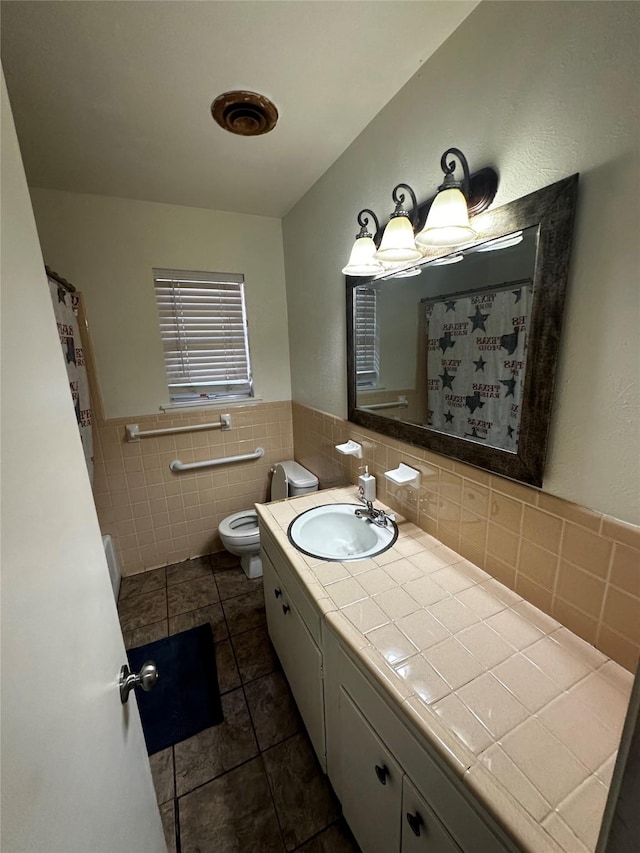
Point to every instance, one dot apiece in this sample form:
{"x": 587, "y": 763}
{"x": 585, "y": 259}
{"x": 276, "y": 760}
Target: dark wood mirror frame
{"x": 552, "y": 209}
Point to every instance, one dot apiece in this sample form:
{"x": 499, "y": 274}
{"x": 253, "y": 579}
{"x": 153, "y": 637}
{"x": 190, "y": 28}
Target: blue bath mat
{"x": 186, "y": 697}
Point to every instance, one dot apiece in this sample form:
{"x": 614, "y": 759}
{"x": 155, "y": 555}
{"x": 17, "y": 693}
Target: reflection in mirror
{"x": 459, "y": 354}
{"x": 446, "y": 349}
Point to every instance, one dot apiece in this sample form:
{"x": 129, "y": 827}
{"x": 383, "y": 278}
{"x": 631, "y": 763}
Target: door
{"x": 422, "y": 832}
{"x": 75, "y": 775}
{"x": 371, "y": 782}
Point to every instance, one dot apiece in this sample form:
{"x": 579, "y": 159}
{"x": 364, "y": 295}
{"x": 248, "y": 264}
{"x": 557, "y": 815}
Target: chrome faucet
{"x": 377, "y": 516}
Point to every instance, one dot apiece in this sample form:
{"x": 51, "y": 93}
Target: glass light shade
{"x": 448, "y": 259}
{"x": 398, "y": 244}
{"x": 399, "y": 269}
{"x": 501, "y": 242}
{"x": 448, "y": 221}
{"x": 362, "y": 259}
{"x": 410, "y": 273}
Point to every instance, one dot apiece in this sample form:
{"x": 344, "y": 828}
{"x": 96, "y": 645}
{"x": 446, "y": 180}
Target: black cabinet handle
{"x": 415, "y": 822}
{"x": 382, "y": 773}
{"x": 285, "y": 609}
{"x": 277, "y": 592}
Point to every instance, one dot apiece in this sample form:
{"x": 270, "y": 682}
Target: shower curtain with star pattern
{"x": 65, "y": 306}
{"x": 477, "y": 344}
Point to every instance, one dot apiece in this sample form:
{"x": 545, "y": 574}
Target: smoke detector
{"x": 244, "y": 113}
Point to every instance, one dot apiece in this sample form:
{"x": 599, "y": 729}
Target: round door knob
{"x": 148, "y": 676}
{"x": 146, "y": 679}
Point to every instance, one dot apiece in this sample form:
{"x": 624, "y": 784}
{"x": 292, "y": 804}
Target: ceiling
{"x": 114, "y": 98}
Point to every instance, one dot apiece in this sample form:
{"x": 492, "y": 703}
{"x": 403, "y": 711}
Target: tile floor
{"x": 253, "y": 783}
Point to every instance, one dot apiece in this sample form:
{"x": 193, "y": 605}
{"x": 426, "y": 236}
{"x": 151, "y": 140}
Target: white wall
{"x": 539, "y": 91}
{"x": 108, "y": 247}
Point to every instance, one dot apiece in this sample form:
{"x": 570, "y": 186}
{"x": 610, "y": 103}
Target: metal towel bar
{"x": 134, "y": 434}
{"x": 177, "y": 465}
{"x": 400, "y": 403}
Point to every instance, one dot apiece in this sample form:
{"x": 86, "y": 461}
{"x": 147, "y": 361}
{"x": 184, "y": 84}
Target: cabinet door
{"x": 422, "y": 832}
{"x": 300, "y": 657}
{"x": 371, "y": 783}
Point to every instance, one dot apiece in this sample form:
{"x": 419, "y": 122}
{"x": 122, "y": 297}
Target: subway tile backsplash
{"x": 577, "y": 565}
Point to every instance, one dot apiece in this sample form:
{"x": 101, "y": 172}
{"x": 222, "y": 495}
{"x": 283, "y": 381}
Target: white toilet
{"x": 239, "y": 532}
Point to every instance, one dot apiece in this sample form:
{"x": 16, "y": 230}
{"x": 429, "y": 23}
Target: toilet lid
{"x": 279, "y": 484}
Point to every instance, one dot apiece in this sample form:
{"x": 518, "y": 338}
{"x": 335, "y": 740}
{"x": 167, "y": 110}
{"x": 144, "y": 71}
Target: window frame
{"x": 222, "y": 320}
{"x": 369, "y": 377}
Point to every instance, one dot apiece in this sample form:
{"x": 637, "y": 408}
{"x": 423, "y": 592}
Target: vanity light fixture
{"x": 448, "y": 220}
{"x": 448, "y": 259}
{"x": 398, "y": 243}
{"x": 501, "y": 242}
{"x": 400, "y": 271}
{"x": 409, "y": 273}
{"x": 362, "y": 260}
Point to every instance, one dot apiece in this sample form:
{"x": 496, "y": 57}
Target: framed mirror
{"x": 458, "y": 354}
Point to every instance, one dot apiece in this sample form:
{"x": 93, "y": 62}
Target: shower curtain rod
{"x": 58, "y": 278}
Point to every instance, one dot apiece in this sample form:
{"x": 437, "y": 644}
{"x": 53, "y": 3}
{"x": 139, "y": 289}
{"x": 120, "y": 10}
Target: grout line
{"x": 176, "y": 808}
{"x": 219, "y": 776}
{"x": 258, "y": 755}
{"x": 176, "y": 813}
{"x": 519, "y": 548}
{"x": 556, "y": 580}
{"x": 607, "y": 587}
{"x": 273, "y": 800}
{"x": 319, "y": 833}
{"x": 166, "y": 598}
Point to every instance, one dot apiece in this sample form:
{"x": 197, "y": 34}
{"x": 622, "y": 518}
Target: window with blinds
{"x": 367, "y": 338}
{"x": 203, "y": 325}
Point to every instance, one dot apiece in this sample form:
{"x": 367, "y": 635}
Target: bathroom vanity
{"x": 391, "y": 690}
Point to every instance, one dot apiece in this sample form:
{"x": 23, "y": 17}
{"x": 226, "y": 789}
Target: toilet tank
{"x": 290, "y": 479}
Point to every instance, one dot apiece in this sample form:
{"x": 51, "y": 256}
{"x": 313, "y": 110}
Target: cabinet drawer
{"x": 299, "y": 655}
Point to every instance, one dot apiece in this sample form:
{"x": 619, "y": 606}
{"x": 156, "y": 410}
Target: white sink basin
{"x": 334, "y": 532}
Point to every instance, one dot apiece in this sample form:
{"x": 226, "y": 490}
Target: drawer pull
{"x": 382, "y": 773}
{"x": 285, "y": 609}
{"x": 415, "y": 822}
{"x": 277, "y": 592}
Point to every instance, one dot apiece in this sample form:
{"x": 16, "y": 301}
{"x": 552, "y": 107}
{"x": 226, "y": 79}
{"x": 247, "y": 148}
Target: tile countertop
{"x": 526, "y": 713}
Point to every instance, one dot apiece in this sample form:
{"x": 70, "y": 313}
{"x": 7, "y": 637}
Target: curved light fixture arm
{"x": 449, "y": 168}
{"x": 399, "y": 201}
{"x": 363, "y": 221}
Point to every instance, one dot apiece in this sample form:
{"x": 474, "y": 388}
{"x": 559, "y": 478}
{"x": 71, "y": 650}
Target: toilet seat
{"x": 240, "y": 533}
{"x": 241, "y": 527}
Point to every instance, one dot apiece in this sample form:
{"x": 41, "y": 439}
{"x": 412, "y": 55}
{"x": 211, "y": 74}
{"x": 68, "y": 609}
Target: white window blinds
{"x": 203, "y": 325}
{"x": 367, "y": 340}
